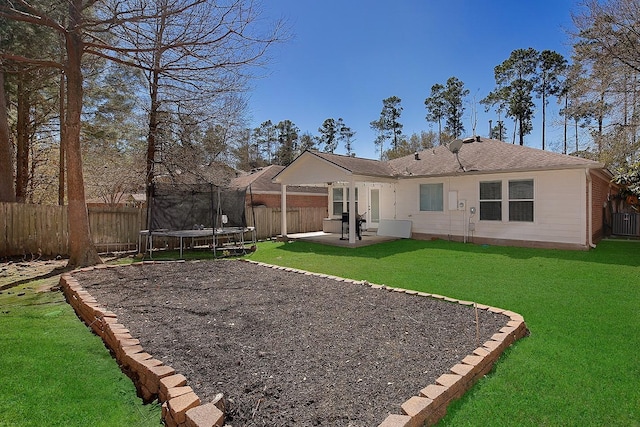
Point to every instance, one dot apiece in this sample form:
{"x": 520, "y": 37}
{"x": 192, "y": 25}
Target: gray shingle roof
{"x": 357, "y": 165}
{"x": 261, "y": 181}
{"x": 486, "y": 156}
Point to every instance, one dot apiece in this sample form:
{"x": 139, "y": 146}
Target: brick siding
{"x": 293, "y": 200}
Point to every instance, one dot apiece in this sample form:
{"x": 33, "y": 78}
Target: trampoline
{"x": 199, "y": 211}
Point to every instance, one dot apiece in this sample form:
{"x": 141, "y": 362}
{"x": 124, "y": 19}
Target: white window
{"x": 521, "y": 200}
{"x": 491, "y": 201}
{"x": 338, "y": 201}
{"x": 341, "y": 200}
{"x": 431, "y": 197}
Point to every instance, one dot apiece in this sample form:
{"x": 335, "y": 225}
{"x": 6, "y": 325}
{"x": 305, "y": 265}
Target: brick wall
{"x": 293, "y": 200}
{"x": 601, "y": 188}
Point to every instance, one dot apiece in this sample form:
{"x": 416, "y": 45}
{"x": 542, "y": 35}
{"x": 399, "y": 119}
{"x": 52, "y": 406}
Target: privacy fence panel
{"x": 116, "y": 228}
{"x": 29, "y": 230}
{"x": 299, "y": 220}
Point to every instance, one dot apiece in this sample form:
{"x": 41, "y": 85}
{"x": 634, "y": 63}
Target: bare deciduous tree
{"x": 190, "y": 49}
{"x": 193, "y": 52}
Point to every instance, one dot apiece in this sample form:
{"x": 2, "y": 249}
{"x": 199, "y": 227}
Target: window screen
{"x": 491, "y": 201}
{"x": 431, "y": 197}
{"x": 521, "y": 200}
{"x": 337, "y": 201}
{"x": 341, "y": 200}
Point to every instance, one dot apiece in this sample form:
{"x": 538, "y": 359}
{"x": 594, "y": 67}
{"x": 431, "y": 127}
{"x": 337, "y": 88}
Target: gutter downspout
{"x": 589, "y": 208}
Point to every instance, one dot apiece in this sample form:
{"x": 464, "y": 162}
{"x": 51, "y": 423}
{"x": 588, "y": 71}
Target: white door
{"x": 374, "y": 208}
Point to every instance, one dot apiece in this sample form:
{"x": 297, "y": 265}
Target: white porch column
{"x": 283, "y": 208}
{"x": 352, "y": 210}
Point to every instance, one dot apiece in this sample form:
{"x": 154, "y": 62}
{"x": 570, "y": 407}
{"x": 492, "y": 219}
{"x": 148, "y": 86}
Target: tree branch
{"x": 31, "y": 61}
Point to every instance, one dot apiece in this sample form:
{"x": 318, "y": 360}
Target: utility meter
{"x": 472, "y": 210}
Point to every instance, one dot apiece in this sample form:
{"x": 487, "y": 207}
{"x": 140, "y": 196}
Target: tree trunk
{"x": 151, "y": 141}
{"x": 62, "y": 163}
{"x": 22, "y": 141}
{"x": 82, "y": 251}
{"x": 634, "y": 112}
{"x": 576, "y": 130}
{"x": 566, "y": 114}
{"x": 7, "y": 192}
{"x": 520, "y": 132}
{"x": 544, "y": 115}
{"x": 154, "y": 84}
{"x": 151, "y": 138}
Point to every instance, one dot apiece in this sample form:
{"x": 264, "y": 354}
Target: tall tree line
{"x": 282, "y": 142}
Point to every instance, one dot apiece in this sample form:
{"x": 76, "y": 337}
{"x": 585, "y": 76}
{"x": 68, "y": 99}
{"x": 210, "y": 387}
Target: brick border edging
{"x": 431, "y": 405}
{"x": 181, "y": 407}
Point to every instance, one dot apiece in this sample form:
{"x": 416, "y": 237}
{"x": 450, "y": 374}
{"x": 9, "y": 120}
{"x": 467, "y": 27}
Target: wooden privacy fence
{"x": 116, "y": 228}
{"x": 299, "y": 220}
{"x": 32, "y": 229}
{"x": 43, "y": 229}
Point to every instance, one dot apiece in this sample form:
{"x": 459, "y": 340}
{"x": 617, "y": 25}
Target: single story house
{"x": 477, "y": 189}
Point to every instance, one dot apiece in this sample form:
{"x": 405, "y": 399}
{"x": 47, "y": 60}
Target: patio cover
{"x": 316, "y": 168}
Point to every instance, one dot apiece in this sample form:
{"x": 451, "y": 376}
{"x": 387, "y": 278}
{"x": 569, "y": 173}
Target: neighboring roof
{"x": 216, "y": 173}
{"x": 357, "y": 165}
{"x": 261, "y": 182}
{"x": 485, "y": 156}
{"x": 118, "y": 198}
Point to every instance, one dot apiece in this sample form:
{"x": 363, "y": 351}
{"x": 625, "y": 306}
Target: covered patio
{"x": 338, "y": 171}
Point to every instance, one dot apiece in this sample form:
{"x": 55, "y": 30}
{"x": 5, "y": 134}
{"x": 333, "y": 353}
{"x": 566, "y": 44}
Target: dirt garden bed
{"x": 287, "y": 348}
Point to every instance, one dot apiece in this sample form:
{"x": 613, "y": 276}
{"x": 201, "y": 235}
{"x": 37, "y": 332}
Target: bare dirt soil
{"x": 289, "y": 349}
{"x": 17, "y": 271}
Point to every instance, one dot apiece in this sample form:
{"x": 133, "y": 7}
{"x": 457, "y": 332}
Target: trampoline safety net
{"x": 193, "y": 206}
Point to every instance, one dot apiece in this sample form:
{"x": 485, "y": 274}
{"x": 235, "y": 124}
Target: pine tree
{"x": 388, "y": 126}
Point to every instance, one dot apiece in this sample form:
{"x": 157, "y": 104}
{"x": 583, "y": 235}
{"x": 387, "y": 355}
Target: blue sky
{"x": 346, "y": 56}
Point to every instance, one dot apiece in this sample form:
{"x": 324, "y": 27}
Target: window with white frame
{"x": 491, "y": 201}
{"x": 340, "y": 202}
{"x": 431, "y": 197}
{"x": 521, "y": 200}
{"x": 337, "y": 200}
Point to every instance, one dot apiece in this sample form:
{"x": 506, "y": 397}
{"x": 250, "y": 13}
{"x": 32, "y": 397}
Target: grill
{"x": 345, "y": 225}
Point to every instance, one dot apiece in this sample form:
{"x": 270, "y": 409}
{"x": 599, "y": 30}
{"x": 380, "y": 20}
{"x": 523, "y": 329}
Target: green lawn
{"x": 55, "y": 372}
{"x": 581, "y": 364}
{"x": 579, "y": 367}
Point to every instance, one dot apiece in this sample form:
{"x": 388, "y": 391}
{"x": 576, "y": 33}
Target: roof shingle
{"x": 357, "y": 165}
{"x": 485, "y": 156}
{"x": 261, "y": 180}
